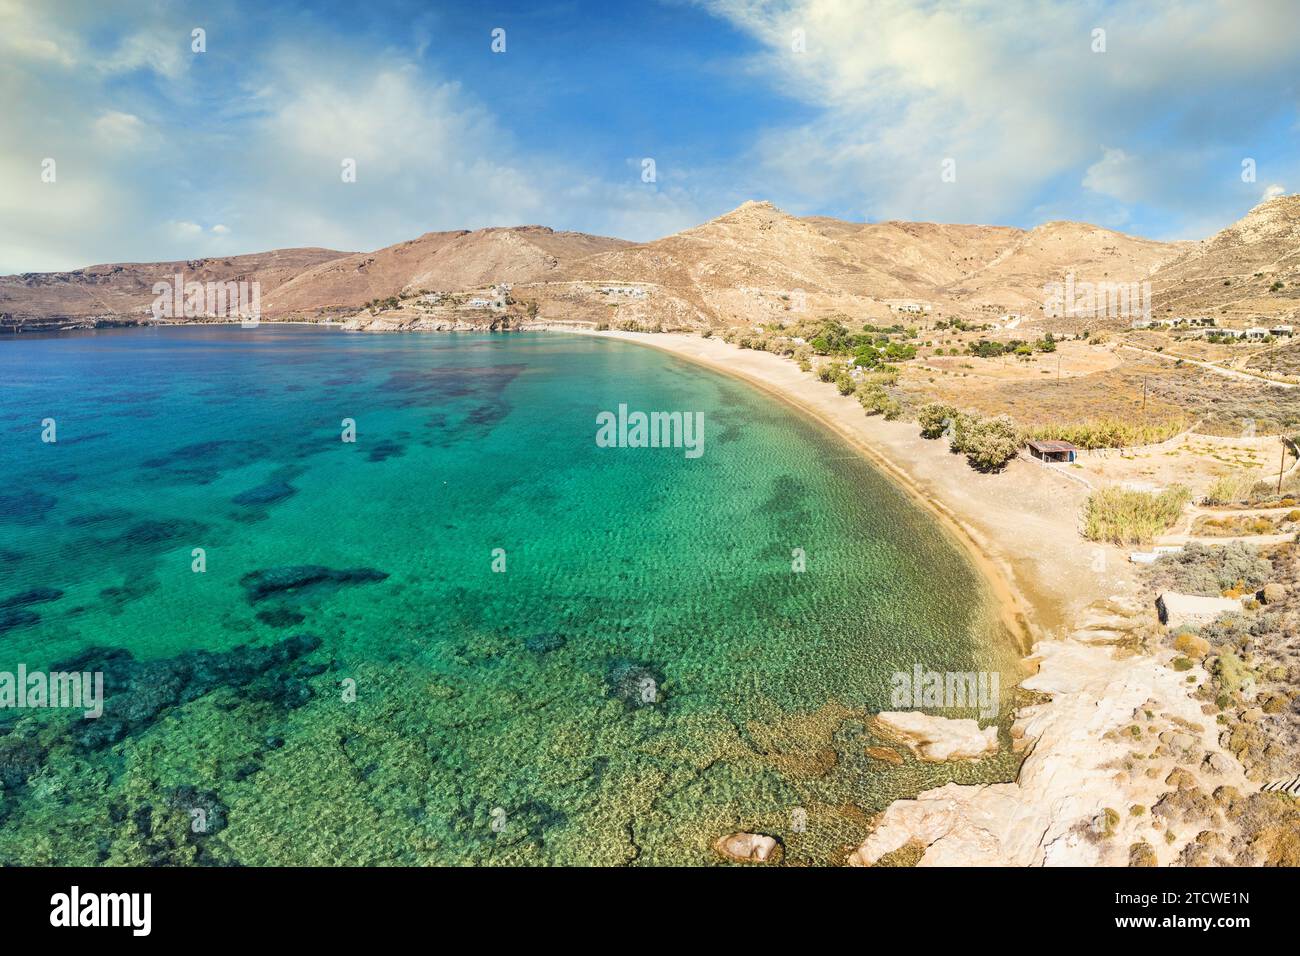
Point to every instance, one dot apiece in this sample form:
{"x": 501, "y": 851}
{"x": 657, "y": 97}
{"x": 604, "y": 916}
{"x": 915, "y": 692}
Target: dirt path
{"x": 1211, "y": 367}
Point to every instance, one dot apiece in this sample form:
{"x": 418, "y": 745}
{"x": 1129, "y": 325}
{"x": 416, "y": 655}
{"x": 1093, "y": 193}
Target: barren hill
{"x": 1050, "y": 252}
{"x": 752, "y": 265}
{"x": 1250, "y": 269}
{"x": 124, "y": 291}
{"x": 449, "y": 261}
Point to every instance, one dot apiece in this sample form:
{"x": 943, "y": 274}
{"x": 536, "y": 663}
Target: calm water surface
{"x": 349, "y": 681}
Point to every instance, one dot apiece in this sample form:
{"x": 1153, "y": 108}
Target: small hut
{"x": 1061, "y": 451}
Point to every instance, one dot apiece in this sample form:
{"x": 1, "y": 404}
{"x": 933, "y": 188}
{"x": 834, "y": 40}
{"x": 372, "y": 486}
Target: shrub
{"x": 1226, "y": 490}
{"x": 876, "y": 401}
{"x": 1231, "y": 673}
{"x": 1142, "y": 854}
{"x": 1123, "y": 516}
{"x": 1192, "y": 645}
{"x": 1210, "y": 569}
{"x": 934, "y": 418}
{"x": 987, "y": 443}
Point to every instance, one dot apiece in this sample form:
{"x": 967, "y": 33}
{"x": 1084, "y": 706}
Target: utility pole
{"x": 1144, "y": 396}
{"x": 1281, "y": 466}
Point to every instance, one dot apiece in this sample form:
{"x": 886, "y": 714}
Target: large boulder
{"x": 1273, "y": 593}
{"x": 748, "y": 847}
{"x": 1193, "y": 610}
{"x": 936, "y": 739}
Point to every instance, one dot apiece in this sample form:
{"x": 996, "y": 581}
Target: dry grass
{"x": 1125, "y": 517}
{"x": 1112, "y": 432}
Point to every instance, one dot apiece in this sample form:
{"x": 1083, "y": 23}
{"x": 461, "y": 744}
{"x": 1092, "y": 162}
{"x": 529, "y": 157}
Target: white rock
{"x": 747, "y": 847}
{"x": 1067, "y": 778}
{"x": 1177, "y": 609}
{"x": 936, "y": 739}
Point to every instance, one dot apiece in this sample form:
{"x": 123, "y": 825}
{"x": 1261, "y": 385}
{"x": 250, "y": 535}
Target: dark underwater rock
{"x": 545, "y": 643}
{"x": 385, "y": 449}
{"x": 636, "y": 683}
{"x": 189, "y": 799}
{"x": 26, "y": 505}
{"x": 280, "y": 617}
{"x": 144, "y": 534}
{"x": 204, "y": 462}
{"x": 11, "y": 618}
{"x": 269, "y": 582}
{"x": 269, "y": 493}
{"x": 20, "y": 757}
{"x": 34, "y": 596}
{"x": 137, "y": 693}
{"x": 92, "y": 518}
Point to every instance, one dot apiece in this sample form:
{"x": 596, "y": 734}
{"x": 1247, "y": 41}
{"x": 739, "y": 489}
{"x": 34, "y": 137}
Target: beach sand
{"x": 1020, "y": 525}
{"x": 1080, "y": 612}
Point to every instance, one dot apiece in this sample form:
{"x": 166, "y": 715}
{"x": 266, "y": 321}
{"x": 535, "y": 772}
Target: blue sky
{"x": 839, "y": 108}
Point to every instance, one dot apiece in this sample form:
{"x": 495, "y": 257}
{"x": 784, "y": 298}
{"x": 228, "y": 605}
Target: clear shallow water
{"x": 498, "y": 717}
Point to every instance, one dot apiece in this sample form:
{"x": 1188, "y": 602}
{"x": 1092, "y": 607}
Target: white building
{"x": 907, "y": 305}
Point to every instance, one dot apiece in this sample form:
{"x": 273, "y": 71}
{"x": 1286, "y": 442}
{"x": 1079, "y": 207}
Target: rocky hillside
{"x": 123, "y": 292}
{"x": 1048, "y": 253}
{"x": 754, "y": 265}
{"x": 447, "y": 261}
{"x": 1248, "y": 271}
{"x": 757, "y": 263}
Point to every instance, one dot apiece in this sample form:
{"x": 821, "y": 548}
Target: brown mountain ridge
{"x": 753, "y": 264}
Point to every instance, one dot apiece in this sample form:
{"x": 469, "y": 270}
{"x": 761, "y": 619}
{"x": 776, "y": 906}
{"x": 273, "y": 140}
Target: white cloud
{"x": 1011, "y": 90}
{"x": 1273, "y": 191}
{"x": 117, "y": 129}
{"x": 428, "y": 157}
{"x": 1116, "y": 174}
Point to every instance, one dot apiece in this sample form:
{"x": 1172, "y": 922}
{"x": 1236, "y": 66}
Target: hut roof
{"x": 1052, "y": 446}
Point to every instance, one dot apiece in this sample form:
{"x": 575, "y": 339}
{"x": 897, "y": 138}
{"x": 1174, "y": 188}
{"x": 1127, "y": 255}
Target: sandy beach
{"x": 1081, "y": 616}
{"x": 1020, "y": 526}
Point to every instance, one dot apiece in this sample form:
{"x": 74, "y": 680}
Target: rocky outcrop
{"x": 749, "y": 847}
{"x": 1101, "y": 748}
{"x": 1178, "y": 609}
{"x": 936, "y": 739}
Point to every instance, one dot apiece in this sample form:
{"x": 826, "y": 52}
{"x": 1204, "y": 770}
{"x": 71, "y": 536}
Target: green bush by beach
{"x": 876, "y": 401}
{"x": 987, "y": 443}
{"x": 934, "y": 418}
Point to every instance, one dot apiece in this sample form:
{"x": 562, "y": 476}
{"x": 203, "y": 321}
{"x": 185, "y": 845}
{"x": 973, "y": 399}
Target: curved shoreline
{"x": 1088, "y": 617}
{"x": 1017, "y": 609}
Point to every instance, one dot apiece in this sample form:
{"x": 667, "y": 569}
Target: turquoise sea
{"x": 352, "y": 678}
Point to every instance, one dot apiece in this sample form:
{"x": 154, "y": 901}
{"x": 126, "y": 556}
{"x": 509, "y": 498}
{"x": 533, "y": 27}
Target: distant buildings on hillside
{"x": 908, "y": 305}
{"x": 1205, "y": 325}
